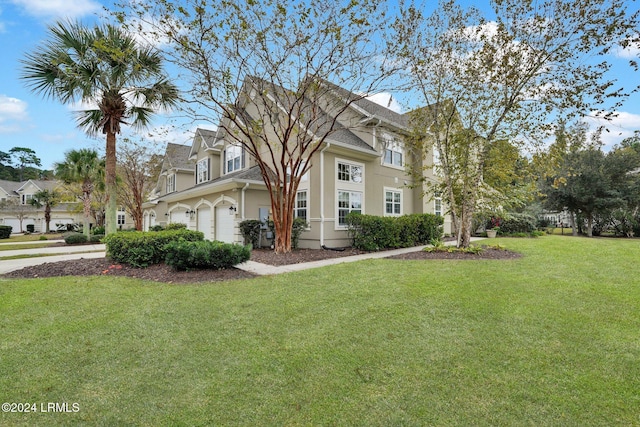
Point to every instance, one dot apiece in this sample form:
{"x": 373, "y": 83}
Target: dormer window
{"x": 26, "y": 198}
{"x": 202, "y": 171}
{"x": 233, "y": 158}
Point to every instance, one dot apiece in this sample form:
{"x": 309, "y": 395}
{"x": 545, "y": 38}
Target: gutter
{"x": 322, "y": 193}
{"x": 242, "y": 199}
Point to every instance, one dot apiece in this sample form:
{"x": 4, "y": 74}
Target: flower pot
{"x": 491, "y": 234}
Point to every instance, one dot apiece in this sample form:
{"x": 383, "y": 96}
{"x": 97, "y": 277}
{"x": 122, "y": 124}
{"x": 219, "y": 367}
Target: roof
{"x": 10, "y": 187}
{"x": 177, "y": 157}
{"x": 369, "y": 107}
{"x": 320, "y": 123}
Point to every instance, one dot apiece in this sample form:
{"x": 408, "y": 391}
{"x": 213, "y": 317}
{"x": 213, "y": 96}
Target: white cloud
{"x": 618, "y": 128}
{"x": 632, "y": 50}
{"x": 58, "y": 8}
{"x": 386, "y": 100}
{"x": 12, "y": 110}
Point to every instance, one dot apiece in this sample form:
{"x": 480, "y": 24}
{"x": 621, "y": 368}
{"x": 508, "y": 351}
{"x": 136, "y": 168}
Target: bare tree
{"x": 261, "y": 72}
{"x": 505, "y": 79}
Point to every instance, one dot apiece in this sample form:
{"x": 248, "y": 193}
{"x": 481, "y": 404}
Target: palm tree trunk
{"x": 111, "y": 191}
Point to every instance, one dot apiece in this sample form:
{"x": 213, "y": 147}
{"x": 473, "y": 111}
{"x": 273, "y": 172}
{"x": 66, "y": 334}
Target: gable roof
{"x": 207, "y": 139}
{"x": 321, "y": 123}
{"x": 177, "y": 157}
{"x": 10, "y": 187}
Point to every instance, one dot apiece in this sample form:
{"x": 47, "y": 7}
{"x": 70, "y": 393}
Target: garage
{"x": 224, "y": 224}
{"x": 204, "y": 222}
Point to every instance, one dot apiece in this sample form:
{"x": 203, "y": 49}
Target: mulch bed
{"x": 166, "y": 274}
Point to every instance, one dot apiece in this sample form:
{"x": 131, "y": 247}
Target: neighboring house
{"x": 17, "y": 211}
{"x": 362, "y": 167}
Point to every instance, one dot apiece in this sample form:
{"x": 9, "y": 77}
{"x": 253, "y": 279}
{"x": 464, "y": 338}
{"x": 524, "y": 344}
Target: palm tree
{"x": 48, "y": 199}
{"x": 85, "y": 167}
{"x": 107, "y": 67}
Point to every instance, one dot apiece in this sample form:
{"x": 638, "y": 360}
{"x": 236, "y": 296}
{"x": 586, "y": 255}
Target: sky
{"x": 48, "y": 127}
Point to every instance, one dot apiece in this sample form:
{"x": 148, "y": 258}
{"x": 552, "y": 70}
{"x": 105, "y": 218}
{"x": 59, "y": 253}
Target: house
{"x": 361, "y": 167}
{"x": 17, "y": 211}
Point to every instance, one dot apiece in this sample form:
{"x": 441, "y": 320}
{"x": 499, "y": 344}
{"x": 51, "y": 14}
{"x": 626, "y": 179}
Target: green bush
{"x": 43, "y": 238}
{"x": 250, "y": 230}
{"x": 98, "y": 230}
{"x": 176, "y": 226}
{"x": 96, "y": 238}
{"x": 75, "y": 238}
{"x": 183, "y": 255}
{"x": 156, "y": 228}
{"x": 299, "y": 225}
{"x": 5, "y": 231}
{"x": 518, "y": 223}
{"x": 373, "y": 233}
{"x": 141, "y": 249}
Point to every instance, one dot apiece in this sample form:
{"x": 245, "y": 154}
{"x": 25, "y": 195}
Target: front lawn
{"x": 551, "y": 338}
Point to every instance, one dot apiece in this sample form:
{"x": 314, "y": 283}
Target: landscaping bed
{"x": 164, "y": 273}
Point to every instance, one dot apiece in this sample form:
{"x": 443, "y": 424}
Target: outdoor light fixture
{"x": 232, "y": 209}
{"x": 190, "y": 213}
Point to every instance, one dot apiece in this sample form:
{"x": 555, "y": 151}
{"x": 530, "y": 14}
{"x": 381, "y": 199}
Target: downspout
{"x": 242, "y": 199}
{"x": 322, "y": 193}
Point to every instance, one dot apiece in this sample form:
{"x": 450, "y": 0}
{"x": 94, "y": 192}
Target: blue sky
{"x": 46, "y": 126}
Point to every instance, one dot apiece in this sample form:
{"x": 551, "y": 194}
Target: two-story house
{"x": 362, "y": 167}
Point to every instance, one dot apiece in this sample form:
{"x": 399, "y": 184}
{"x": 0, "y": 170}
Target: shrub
{"x": 156, "y": 228}
{"x": 75, "y": 238}
{"x": 518, "y": 223}
{"x": 250, "y": 230}
{"x": 96, "y": 237}
{"x": 176, "y": 226}
{"x": 373, "y": 233}
{"x": 5, "y": 231}
{"x": 183, "y": 255}
{"x": 140, "y": 249}
{"x": 43, "y": 238}
{"x": 299, "y": 225}
{"x": 98, "y": 230}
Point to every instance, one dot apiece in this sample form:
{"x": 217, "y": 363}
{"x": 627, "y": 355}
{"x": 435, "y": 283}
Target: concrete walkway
{"x": 65, "y": 253}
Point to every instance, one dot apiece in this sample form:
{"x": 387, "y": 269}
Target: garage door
{"x": 224, "y": 224}
{"x": 15, "y": 224}
{"x": 179, "y": 216}
{"x": 204, "y": 222}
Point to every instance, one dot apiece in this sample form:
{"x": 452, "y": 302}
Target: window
{"x": 26, "y": 198}
{"x": 437, "y": 205}
{"x": 348, "y": 201}
{"x": 392, "y": 202}
{"x": 393, "y": 154}
{"x": 171, "y": 183}
{"x": 233, "y": 158}
{"x": 349, "y": 173}
{"x": 202, "y": 171}
{"x": 121, "y": 216}
{"x": 301, "y": 205}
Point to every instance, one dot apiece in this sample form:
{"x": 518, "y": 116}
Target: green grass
{"x": 31, "y": 237}
{"x": 549, "y": 339}
{"x": 13, "y": 247}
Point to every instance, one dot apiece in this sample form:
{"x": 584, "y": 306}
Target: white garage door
{"x": 204, "y": 222}
{"x": 179, "y": 216}
{"x": 15, "y": 223}
{"x": 224, "y": 224}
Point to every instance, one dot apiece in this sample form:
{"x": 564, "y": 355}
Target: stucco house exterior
{"x": 213, "y": 184}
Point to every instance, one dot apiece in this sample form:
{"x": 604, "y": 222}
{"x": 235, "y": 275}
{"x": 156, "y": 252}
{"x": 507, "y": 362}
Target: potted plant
{"x": 493, "y": 232}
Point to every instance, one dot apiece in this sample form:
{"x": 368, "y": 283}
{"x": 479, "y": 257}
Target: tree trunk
{"x": 466, "y": 222}
{"x": 110, "y": 180}
{"x": 590, "y": 225}
{"x": 47, "y": 217}
{"x": 574, "y": 229}
{"x": 86, "y": 204}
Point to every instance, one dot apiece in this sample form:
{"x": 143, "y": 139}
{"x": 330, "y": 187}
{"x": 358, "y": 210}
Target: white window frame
{"x": 352, "y": 171}
{"x": 299, "y": 208}
{"x": 393, "y": 153}
{"x": 171, "y": 183}
{"x": 233, "y": 158}
{"x": 437, "y": 205}
{"x": 26, "y": 198}
{"x": 202, "y": 171}
{"x": 350, "y": 208}
{"x": 394, "y": 203}
{"x": 121, "y": 218}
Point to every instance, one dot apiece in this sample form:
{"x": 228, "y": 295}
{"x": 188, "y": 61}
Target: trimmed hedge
{"x": 183, "y": 255}
{"x": 75, "y": 238}
{"x": 5, "y": 231}
{"x": 374, "y": 233}
{"x": 518, "y": 223}
{"x": 141, "y": 249}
